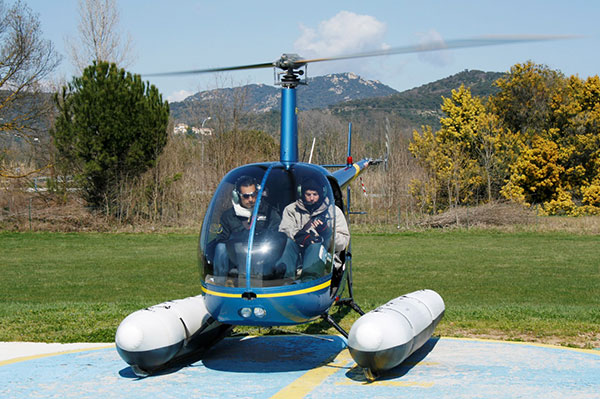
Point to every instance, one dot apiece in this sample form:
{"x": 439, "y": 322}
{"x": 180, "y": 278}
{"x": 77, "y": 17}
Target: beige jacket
{"x": 295, "y": 216}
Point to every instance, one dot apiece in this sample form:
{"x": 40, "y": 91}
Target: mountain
{"x": 421, "y": 105}
{"x": 322, "y": 91}
{"x": 346, "y": 95}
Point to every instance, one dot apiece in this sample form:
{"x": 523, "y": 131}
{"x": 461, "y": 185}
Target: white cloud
{"x": 345, "y": 33}
{"x": 348, "y": 33}
{"x": 179, "y": 95}
{"x": 433, "y": 39}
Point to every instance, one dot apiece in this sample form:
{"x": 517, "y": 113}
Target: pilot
{"x": 238, "y": 219}
{"x": 306, "y": 223}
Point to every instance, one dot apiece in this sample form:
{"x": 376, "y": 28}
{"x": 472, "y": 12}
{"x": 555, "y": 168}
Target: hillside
{"x": 321, "y": 92}
{"x": 345, "y": 95}
{"x": 421, "y": 105}
{"x": 23, "y": 121}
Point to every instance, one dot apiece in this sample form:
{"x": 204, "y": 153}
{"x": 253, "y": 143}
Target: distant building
{"x": 182, "y": 128}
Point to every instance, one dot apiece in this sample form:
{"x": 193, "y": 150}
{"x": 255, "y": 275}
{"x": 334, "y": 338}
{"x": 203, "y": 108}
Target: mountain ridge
{"x": 323, "y": 91}
{"x": 341, "y": 94}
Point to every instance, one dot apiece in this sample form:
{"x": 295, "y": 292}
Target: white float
{"x": 384, "y": 337}
{"x": 152, "y": 338}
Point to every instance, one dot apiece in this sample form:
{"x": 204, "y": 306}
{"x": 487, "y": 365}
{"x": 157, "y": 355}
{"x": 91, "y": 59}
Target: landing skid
{"x": 140, "y": 372}
{"x": 345, "y": 301}
{"x": 370, "y": 375}
{"x": 348, "y": 302}
{"x": 327, "y": 317}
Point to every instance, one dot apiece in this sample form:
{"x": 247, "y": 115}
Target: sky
{"x": 195, "y": 34}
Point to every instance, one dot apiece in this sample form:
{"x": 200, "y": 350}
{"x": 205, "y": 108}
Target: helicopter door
{"x": 269, "y": 226}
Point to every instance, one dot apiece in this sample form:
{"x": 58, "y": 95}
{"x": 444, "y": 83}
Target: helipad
{"x": 313, "y": 367}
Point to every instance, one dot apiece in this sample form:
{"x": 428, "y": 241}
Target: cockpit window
{"x": 268, "y": 225}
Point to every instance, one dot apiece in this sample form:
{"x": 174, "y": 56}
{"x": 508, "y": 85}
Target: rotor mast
{"x": 289, "y": 80}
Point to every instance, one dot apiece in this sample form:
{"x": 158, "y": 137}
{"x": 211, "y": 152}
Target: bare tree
{"x": 26, "y": 60}
{"x": 100, "y": 38}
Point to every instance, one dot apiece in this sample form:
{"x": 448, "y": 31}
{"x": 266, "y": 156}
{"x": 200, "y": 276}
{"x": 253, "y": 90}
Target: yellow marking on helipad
{"x": 420, "y": 363}
{"x": 537, "y": 344}
{"x": 63, "y": 352}
{"x": 308, "y": 381}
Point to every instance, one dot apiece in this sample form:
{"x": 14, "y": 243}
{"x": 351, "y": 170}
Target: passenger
{"x": 238, "y": 219}
{"x": 307, "y": 223}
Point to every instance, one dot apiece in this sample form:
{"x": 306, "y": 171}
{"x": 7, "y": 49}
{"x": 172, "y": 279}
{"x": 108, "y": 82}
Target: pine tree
{"x": 111, "y": 127}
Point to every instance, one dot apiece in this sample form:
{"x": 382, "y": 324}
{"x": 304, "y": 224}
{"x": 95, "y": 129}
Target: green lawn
{"x": 530, "y": 286}
{"x": 521, "y": 286}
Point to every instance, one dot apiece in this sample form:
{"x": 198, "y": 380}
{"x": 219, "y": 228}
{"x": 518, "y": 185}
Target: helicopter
{"x": 269, "y": 279}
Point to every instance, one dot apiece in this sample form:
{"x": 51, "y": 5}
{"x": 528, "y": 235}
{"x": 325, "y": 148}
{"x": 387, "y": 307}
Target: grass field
{"x": 543, "y": 287}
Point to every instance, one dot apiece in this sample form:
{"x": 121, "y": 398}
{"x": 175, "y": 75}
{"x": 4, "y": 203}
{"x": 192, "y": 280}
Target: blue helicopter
{"x": 263, "y": 276}
{"x": 254, "y": 292}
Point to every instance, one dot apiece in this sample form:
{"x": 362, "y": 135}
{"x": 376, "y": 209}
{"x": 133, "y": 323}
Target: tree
{"x": 426, "y": 150}
{"x": 112, "y": 127}
{"x": 524, "y": 101}
{"x": 100, "y": 38}
{"x": 576, "y": 117}
{"x": 26, "y": 59}
{"x": 536, "y": 174}
{"x": 451, "y": 156}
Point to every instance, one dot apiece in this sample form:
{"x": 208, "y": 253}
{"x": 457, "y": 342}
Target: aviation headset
{"x": 243, "y": 181}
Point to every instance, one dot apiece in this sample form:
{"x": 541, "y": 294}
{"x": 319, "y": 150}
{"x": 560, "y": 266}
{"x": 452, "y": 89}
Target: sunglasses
{"x": 248, "y": 195}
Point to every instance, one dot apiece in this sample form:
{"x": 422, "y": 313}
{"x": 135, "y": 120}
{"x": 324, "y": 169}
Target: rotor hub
{"x": 291, "y": 65}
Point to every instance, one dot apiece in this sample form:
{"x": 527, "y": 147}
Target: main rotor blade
{"x": 211, "y": 70}
{"x": 285, "y": 61}
{"x": 444, "y": 45}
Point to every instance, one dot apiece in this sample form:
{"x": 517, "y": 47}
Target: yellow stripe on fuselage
{"x": 273, "y": 295}
{"x": 222, "y": 294}
{"x": 299, "y": 292}
{"x": 355, "y": 173}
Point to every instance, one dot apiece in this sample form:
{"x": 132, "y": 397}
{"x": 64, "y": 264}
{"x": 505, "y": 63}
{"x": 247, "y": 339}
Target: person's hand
{"x": 322, "y": 227}
{"x": 302, "y": 238}
{"x": 318, "y": 225}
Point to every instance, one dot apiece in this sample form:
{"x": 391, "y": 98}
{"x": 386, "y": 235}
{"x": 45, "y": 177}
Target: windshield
{"x": 269, "y": 226}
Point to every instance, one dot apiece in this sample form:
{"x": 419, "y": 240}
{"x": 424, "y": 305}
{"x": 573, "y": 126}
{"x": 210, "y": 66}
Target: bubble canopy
{"x": 253, "y": 236}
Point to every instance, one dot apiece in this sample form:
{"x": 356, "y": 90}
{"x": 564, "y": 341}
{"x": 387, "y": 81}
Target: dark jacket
{"x": 267, "y": 219}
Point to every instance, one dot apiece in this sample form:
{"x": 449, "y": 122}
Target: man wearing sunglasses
{"x": 238, "y": 220}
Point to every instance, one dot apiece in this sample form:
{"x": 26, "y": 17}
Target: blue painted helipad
{"x": 315, "y": 367}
